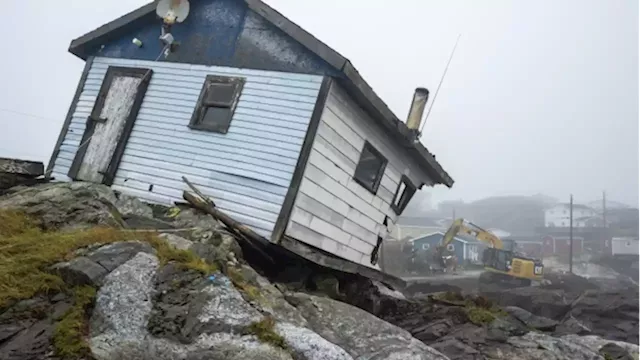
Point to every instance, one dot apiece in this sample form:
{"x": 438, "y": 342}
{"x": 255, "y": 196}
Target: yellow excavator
{"x": 502, "y": 267}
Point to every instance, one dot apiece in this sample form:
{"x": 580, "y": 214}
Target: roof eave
{"x": 92, "y": 38}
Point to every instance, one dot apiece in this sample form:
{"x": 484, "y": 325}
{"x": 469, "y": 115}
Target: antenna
{"x": 172, "y": 11}
{"x": 440, "y": 84}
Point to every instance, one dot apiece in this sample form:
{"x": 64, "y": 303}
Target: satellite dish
{"x": 172, "y": 11}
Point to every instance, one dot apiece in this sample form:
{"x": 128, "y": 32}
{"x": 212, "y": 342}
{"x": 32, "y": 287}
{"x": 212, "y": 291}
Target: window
{"x": 370, "y": 168}
{"x": 216, "y": 104}
{"x": 403, "y": 195}
{"x": 425, "y": 246}
{"x": 451, "y": 247}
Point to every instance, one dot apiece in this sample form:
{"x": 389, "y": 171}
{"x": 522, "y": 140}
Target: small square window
{"x": 403, "y": 195}
{"x": 370, "y": 168}
{"x": 216, "y": 104}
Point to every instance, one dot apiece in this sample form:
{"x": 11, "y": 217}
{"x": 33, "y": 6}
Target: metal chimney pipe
{"x": 416, "y": 110}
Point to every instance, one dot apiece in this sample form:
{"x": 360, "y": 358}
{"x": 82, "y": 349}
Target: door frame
{"x": 112, "y": 72}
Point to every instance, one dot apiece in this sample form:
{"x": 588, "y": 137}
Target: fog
{"x": 540, "y": 97}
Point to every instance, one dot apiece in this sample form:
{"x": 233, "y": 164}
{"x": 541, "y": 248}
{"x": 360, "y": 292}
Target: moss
{"x": 251, "y": 292}
{"x": 263, "y": 330}
{"x": 186, "y": 259}
{"x": 70, "y": 331}
{"x": 26, "y": 251}
{"x": 479, "y": 316}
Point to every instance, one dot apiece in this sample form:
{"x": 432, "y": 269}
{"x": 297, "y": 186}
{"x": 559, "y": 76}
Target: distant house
{"x": 624, "y": 246}
{"x": 560, "y": 245}
{"x": 466, "y": 250}
{"x": 559, "y": 216}
{"x": 277, "y": 127}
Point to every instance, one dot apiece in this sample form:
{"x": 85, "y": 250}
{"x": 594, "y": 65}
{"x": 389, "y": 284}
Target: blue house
{"x": 277, "y": 127}
{"x": 467, "y": 250}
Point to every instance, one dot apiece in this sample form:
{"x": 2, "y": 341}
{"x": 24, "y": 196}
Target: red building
{"x": 560, "y": 245}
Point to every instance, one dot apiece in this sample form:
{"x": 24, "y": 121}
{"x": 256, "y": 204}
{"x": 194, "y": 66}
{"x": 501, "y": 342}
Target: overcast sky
{"x": 541, "y": 96}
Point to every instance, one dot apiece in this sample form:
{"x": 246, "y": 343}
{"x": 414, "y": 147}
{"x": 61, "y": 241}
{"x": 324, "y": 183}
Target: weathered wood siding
{"x": 247, "y": 171}
{"x": 332, "y": 211}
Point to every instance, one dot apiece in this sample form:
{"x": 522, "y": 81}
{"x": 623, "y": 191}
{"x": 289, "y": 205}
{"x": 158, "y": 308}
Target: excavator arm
{"x": 461, "y": 226}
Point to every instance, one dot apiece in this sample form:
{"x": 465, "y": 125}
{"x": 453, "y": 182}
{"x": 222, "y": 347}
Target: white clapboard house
{"x": 273, "y": 124}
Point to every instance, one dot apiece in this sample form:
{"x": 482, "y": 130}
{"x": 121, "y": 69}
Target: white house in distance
{"x": 277, "y": 127}
{"x": 559, "y": 216}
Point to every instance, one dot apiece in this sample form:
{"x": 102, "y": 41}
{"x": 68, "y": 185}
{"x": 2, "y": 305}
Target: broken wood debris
{"x": 14, "y": 172}
{"x": 242, "y": 232}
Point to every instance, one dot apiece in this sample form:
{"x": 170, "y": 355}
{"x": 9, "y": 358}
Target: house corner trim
{"x": 303, "y": 158}
{"x": 67, "y": 122}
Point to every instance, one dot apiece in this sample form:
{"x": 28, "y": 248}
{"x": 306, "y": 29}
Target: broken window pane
{"x": 370, "y": 168}
{"x": 403, "y": 195}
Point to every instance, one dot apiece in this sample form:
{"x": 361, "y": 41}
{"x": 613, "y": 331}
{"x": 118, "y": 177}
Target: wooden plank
{"x": 314, "y": 191}
{"x": 217, "y": 164}
{"x": 318, "y": 209}
{"x": 322, "y": 227}
{"x": 361, "y": 246}
{"x": 333, "y": 187}
{"x": 332, "y": 137}
{"x": 301, "y": 217}
{"x": 163, "y": 150}
{"x": 21, "y": 167}
{"x": 328, "y": 167}
{"x": 304, "y": 234}
{"x": 358, "y": 231}
{"x": 366, "y": 222}
{"x": 330, "y": 152}
{"x": 348, "y": 253}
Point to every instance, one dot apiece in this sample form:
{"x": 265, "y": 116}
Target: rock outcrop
{"x": 150, "y": 305}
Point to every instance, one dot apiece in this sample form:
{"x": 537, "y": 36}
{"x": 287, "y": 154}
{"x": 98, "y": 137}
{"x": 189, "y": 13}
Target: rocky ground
{"x": 93, "y": 274}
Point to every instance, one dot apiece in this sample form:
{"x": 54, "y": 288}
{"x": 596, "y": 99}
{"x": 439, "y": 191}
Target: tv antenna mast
{"x": 440, "y": 84}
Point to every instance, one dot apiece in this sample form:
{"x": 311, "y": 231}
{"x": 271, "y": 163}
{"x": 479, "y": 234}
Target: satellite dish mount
{"x": 171, "y": 12}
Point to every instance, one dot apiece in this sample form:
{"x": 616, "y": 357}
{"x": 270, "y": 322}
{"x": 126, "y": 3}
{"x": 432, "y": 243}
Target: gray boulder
{"x": 530, "y": 320}
{"x": 549, "y": 303}
{"x": 359, "y": 333}
{"x": 538, "y": 346}
{"x": 111, "y": 256}
{"x": 176, "y": 241}
{"x": 80, "y": 271}
{"x": 610, "y": 314}
{"x": 66, "y": 205}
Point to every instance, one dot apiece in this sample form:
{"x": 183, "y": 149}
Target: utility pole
{"x": 571, "y": 234}
{"x": 604, "y": 210}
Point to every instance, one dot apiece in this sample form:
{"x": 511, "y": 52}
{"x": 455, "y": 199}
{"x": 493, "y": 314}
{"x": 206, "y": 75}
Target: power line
{"x": 26, "y": 114}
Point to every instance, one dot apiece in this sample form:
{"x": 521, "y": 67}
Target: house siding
{"x": 247, "y": 171}
{"x": 332, "y": 211}
{"x": 459, "y": 246}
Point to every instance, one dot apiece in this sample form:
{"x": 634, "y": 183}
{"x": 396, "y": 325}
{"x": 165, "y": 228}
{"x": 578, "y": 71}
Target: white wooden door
{"x": 110, "y": 124}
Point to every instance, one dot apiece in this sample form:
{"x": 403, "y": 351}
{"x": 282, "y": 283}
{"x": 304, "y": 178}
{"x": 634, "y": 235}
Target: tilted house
{"x": 270, "y": 122}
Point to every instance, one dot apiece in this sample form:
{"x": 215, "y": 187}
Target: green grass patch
{"x": 26, "y": 251}
{"x": 263, "y": 330}
{"x": 70, "y": 331}
{"x": 478, "y": 309}
{"x": 238, "y": 280}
